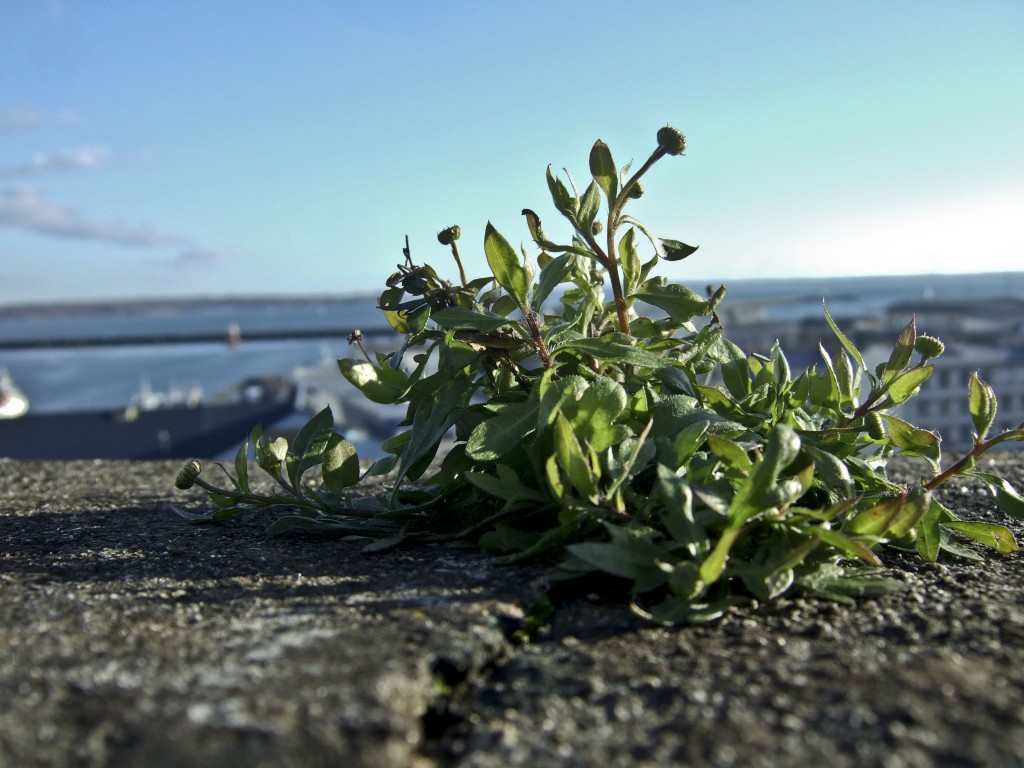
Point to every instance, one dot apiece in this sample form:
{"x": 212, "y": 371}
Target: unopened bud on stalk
{"x": 597, "y": 227}
{"x": 671, "y": 140}
{"x": 929, "y": 346}
{"x": 188, "y": 475}
{"x": 355, "y": 337}
{"x": 636, "y": 191}
{"x": 449, "y": 235}
{"x": 875, "y": 425}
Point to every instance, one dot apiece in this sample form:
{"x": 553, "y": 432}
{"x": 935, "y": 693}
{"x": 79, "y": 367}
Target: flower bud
{"x": 355, "y": 337}
{"x": 449, "y": 235}
{"x": 597, "y": 227}
{"x": 875, "y": 425}
{"x": 671, "y": 140}
{"x": 636, "y": 191}
{"x": 188, "y": 475}
{"x": 929, "y": 346}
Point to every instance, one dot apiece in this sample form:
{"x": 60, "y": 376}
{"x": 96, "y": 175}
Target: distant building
{"x": 941, "y": 404}
{"x": 980, "y": 335}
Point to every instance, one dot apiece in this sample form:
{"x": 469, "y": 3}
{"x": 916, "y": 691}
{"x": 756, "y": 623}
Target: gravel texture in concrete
{"x": 129, "y": 637}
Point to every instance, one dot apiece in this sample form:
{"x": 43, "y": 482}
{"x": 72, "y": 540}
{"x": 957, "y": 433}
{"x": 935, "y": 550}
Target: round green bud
{"x": 929, "y": 346}
{"x": 188, "y": 475}
{"x": 597, "y": 228}
{"x": 636, "y": 191}
{"x": 671, "y": 140}
{"x": 449, "y": 235}
{"x": 875, "y": 425}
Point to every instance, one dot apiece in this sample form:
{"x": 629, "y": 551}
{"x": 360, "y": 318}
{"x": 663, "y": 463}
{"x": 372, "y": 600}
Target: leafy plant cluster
{"x": 627, "y": 435}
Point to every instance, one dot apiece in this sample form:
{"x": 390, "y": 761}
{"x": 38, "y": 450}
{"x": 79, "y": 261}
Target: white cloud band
{"x": 28, "y": 209}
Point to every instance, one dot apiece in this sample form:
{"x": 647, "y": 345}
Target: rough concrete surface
{"x": 129, "y": 637}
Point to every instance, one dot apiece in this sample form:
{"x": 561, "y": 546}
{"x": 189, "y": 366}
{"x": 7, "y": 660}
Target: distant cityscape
{"x": 986, "y": 336}
{"x": 76, "y": 357}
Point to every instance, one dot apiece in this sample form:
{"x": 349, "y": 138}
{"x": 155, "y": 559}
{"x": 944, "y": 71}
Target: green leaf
{"x": 735, "y": 367}
{"x": 504, "y": 263}
{"x": 680, "y": 302}
{"x": 929, "y": 535}
{"x": 844, "y": 377}
{"x": 687, "y": 441}
{"x": 594, "y": 414}
{"x": 572, "y": 461}
{"x": 614, "y": 348}
{"x": 506, "y": 486}
{"x": 1007, "y": 498}
{"x": 720, "y": 402}
{"x": 614, "y": 559}
{"x": 309, "y": 445}
{"x": 733, "y": 454}
{"x": 552, "y": 275}
{"x": 242, "y": 461}
{"x": 905, "y": 386}
{"x": 848, "y": 546}
{"x": 508, "y": 425}
{"x": 829, "y": 396}
{"x": 676, "y": 250}
{"x": 566, "y": 203}
{"x": 982, "y": 405}
{"x": 536, "y": 231}
{"x": 914, "y": 441}
{"x": 602, "y": 168}
{"x": 714, "y": 564}
{"x": 831, "y": 471}
{"x": 893, "y": 518}
{"x": 835, "y": 582}
{"x": 780, "y": 367}
{"x": 431, "y": 421}
{"x": 380, "y": 384}
{"x": 998, "y": 537}
{"x": 505, "y": 538}
{"x": 630, "y": 260}
{"x": 901, "y": 354}
{"x": 554, "y": 478}
{"x": 676, "y": 513}
{"x": 847, "y": 344}
{"x": 590, "y": 204}
{"x": 759, "y": 491}
{"x": 463, "y": 319}
{"x": 875, "y": 520}
{"x": 340, "y": 464}
{"x": 677, "y": 413}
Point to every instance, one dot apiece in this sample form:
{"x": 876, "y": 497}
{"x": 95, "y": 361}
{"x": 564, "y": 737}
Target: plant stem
{"x": 538, "y": 340}
{"x": 957, "y": 467}
{"x": 613, "y": 226}
{"x": 620, "y": 300}
{"x": 277, "y": 501}
{"x": 458, "y": 260}
{"x": 623, "y": 196}
{"x": 255, "y": 497}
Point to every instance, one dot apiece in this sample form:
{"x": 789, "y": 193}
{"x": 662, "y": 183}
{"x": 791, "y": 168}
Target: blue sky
{"x": 193, "y": 148}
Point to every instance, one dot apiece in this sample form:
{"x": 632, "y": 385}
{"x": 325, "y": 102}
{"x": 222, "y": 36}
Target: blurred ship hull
{"x": 165, "y": 431}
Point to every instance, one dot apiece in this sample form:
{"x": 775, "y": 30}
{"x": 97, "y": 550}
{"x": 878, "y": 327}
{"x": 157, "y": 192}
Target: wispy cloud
{"x": 20, "y": 119}
{"x": 82, "y": 157}
{"x": 26, "y": 118}
{"x": 26, "y": 208}
{"x": 200, "y": 257}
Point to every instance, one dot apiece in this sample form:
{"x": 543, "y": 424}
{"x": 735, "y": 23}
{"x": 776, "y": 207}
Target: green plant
{"x": 626, "y": 434}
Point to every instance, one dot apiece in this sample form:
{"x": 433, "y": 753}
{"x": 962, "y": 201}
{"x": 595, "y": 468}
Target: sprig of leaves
{"x": 646, "y": 447}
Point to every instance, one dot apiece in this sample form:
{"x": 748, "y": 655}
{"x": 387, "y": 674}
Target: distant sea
{"x": 106, "y": 377}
